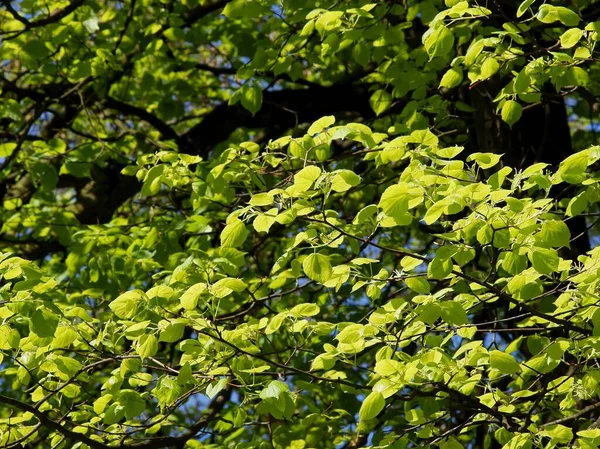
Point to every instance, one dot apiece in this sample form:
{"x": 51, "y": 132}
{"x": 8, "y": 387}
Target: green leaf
{"x": 410, "y": 263}
{"x": 133, "y": 403}
{"x": 147, "y": 346}
{"x": 449, "y": 152}
{"x": 388, "y": 368}
{"x": 578, "y": 77}
{"x": 125, "y": 306}
{"x": 453, "y": 313}
{"x": 101, "y": 403}
{"x": 518, "y": 441}
{"x": 511, "y": 112}
{"x": 304, "y": 179}
{"x": 6, "y": 149}
{"x": 64, "y": 337}
{"x": 544, "y": 260}
{"x": 274, "y": 390}
{"x": 418, "y": 285}
{"x": 43, "y": 323}
{"x": 452, "y": 78}
{"x": 485, "y": 160}
{"x": 394, "y": 201}
{"x": 572, "y": 169}
{"x": 167, "y": 391}
{"x": 91, "y": 24}
{"x": 513, "y": 263}
{"x": 153, "y": 180}
{"x": 140, "y": 379}
{"x": 35, "y": 49}
{"x": 485, "y": 234}
{"x": 261, "y": 199}
{"x": 554, "y": 233}
{"x": 380, "y": 101}
{"x": 189, "y": 300}
{"x": 571, "y": 37}
{"x": 589, "y": 433}
{"x": 322, "y": 362}
{"x": 214, "y": 388}
{"x": 567, "y": 16}
{"x": 185, "y": 375}
{"x": 317, "y": 267}
{"x": 558, "y": 433}
{"x": 501, "y": 238}
{"x": 328, "y": 21}
{"x": 304, "y": 310}
{"x": 434, "y": 212}
{"x": 439, "y": 268}
{"x": 275, "y": 323}
{"x": 225, "y": 287}
{"x": 504, "y": 362}
{"x": 365, "y": 214}
{"x": 522, "y": 82}
{"x": 320, "y": 125}
{"x": 523, "y": 7}
{"x": 344, "y": 180}
{"x": 252, "y": 98}
{"x": 234, "y": 234}
{"x": 172, "y": 333}
{"x": 9, "y": 338}
{"x": 263, "y": 222}
{"x": 489, "y": 67}
{"x": 373, "y": 404}
{"x": 439, "y": 43}
{"x": 549, "y": 14}
{"x": 242, "y": 8}
{"x": 577, "y": 205}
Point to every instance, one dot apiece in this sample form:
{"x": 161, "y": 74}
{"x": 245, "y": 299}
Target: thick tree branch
{"x": 52, "y": 18}
{"x": 584, "y": 411}
{"x": 154, "y": 443}
{"x": 128, "y": 109}
{"x": 46, "y": 421}
{"x": 202, "y": 10}
{"x": 281, "y": 110}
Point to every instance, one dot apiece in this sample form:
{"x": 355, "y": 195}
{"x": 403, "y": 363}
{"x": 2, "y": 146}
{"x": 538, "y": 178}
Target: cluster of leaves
{"x": 337, "y": 330}
{"x": 289, "y": 224}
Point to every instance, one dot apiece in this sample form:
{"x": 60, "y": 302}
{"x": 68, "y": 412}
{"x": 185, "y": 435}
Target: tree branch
{"x": 200, "y": 11}
{"x": 584, "y": 411}
{"x": 52, "y": 18}
{"x": 48, "y": 422}
{"x": 128, "y": 109}
{"x": 281, "y": 110}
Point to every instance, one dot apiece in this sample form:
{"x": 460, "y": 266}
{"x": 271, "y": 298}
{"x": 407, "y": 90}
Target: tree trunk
{"x": 541, "y": 135}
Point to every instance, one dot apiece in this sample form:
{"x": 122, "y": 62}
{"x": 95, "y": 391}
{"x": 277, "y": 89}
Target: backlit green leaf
{"x": 373, "y": 404}
{"x": 380, "y": 101}
{"x": 511, "y": 112}
{"x": 304, "y": 179}
{"x": 317, "y": 267}
{"x": 555, "y": 233}
{"x": 504, "y": 362}
{"x": 234, "y": 234}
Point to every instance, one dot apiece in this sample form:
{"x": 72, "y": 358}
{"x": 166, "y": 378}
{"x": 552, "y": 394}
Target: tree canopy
{"x": 299, "y": 224}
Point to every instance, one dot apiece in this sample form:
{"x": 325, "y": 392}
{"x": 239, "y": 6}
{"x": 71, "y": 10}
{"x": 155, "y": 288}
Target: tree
{"x": 299, "y": 224}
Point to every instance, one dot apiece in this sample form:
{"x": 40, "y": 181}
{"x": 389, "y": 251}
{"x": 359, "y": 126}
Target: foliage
{"x": 299, "y": 224}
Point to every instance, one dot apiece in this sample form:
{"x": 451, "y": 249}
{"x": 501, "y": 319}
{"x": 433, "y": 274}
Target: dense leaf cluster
{"x": 299, "y": 224}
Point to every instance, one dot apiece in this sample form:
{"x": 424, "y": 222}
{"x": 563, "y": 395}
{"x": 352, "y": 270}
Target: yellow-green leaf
{"x": 304, "y": 179}
{"x": 317, "y": 267}
{"x": 373, "y": 404}
{"x": 511, "y": 112}
{"x": 234, "y": 234}
{"x": 504, "y": 362}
